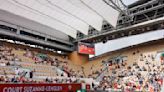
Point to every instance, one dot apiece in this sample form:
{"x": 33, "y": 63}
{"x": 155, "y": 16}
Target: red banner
{"x": 39, "y": 87}
{"x": 86, "y": 48}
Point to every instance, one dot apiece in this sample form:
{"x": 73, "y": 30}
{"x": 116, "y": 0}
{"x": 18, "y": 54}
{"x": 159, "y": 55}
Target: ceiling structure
{"x": 66, "y": 16}
{"x": 143, "y": 16}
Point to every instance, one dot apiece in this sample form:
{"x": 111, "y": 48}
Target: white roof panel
{"x": 10, "y": 7}
{"x": 108, "y": 13}
{"x": 67, "y": 16}
{"x": 82, "y": 12}
{"x": 62, "y": 18}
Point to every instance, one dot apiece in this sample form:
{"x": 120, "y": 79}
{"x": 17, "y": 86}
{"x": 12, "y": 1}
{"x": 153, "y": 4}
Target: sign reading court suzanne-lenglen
{"x": 39, "y": 87}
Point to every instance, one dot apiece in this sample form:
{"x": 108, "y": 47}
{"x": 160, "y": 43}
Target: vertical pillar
{"x": 18, "y": 30}
{"x": 45, "y": 38}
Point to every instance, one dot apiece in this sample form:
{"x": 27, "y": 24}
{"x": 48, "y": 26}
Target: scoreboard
{"x": 86, "y": 48}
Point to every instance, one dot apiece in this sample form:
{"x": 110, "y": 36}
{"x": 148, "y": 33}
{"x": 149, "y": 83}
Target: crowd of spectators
{"x": 18, "y": 79}
{"x": 10, "y": 72}
{"x": 54, "y": 61}
{"x": 144, "y": 75}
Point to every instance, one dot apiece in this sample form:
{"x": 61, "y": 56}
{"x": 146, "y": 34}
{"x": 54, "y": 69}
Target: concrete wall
{"x": 78, "y": 59}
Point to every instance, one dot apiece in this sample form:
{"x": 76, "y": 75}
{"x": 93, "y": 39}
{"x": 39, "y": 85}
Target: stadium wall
{"x": 124, "y": 42}
{"x": 78, "y": 59}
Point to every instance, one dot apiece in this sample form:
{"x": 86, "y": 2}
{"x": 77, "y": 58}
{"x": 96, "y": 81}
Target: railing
{"x": 101, "y": 75}
{"x": 162, "y": 87}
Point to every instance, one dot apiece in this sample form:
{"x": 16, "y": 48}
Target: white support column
{"x": 18, "y": 30}
{"x": 46, "y": 38}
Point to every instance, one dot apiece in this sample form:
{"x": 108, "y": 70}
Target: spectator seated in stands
{"x": 29, "y": 54}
